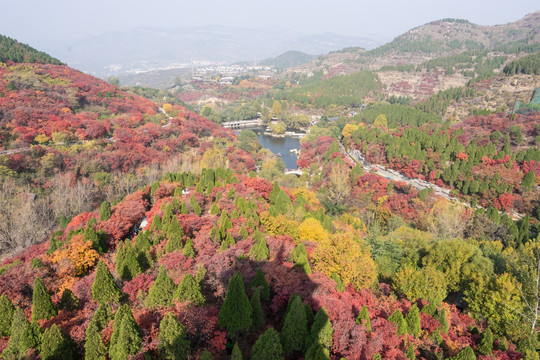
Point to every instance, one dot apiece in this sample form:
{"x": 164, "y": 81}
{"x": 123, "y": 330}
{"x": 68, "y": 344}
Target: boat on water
{"x": 278, "y": 154}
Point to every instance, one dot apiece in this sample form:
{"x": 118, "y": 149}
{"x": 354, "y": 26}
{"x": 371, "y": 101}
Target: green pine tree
{"x": 259, "y": 281}
{"x": 259, "y": 251}
{"x": 6, "y": 309}
{"x": 189, "y": 290}
{"x": 294, "y": 333}
{"x": 441, "y": 318}
{"x": 236, "y": 353}
{"x": 257, "y": 315}
{"x": 184, "y": 209}
{"x": 235, "y": 313}
{"x": 301, "y": 259}
{"x": 322, "y": 331}
{"x": 157, "y": 224}
{"x": 243, "y": 233}
{"x": 42, "y": 306}
{"x": 486, "y": 344}
{"x": 142, "y": 242}
{"x": 377, "y": 356}
{"x": 317, "y": 352}
{"x": 68, "y": 301}
{"x": 528, "y": 180}
{"x": 413, "y": 321}
{"x": 55, "y": 345}
{"x": 105, "y": 211}
{"x": 102, "y": 316}
{"x": 126, "y": 338}
{"x": 19, "y": 326}
{"x": 399, "y": 322}
{"x": 104, "y": 289}
{"x": 224, "y": 223}
{"x": 206, "y": 355}
{"x": 188, "y": 250}
{"x": 195, "y": 206}
{"x": 173, "y": 343}
{"x": 94, "y": 347}
{"x": 267, "y": 346}
{"x": 409, "y": 353}
{"x": 175, "y": 235}
{"x": 214, "y": 210}
{"x": 162, "y": 291}
{"x": 227, "y": 243}
{"x": 310, "y": 316}
{"x": 363, "y": 318}
{"x": 465, "y": 354}
{"x": 127, "y": 261}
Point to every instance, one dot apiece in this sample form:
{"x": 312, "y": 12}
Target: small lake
{"x": 281, "y": 146}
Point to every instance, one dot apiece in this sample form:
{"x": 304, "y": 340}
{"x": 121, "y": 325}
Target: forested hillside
{"x": 14, "y": 51}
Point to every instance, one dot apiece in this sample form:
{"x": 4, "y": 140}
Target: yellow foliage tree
{"x": 344, "y": 255}
{"x": 279, "y": 225}
{"x": 381, "y": 121}
{"x": 167, "y": 107}
{"x": 214, "y": 158}
{"x": 41, "y": 139}
{"x": 77, "y": 257}
{"x": 349, "y": 129}
{"x": 309, "y": 196}
{"x": 312, "y": 230}
{"x": 276, "y": 108}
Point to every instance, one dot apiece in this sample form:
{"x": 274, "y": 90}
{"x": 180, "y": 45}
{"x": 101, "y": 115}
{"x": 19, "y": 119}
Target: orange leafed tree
{"x": 76, "y": 258}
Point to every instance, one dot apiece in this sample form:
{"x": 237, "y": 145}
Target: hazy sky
{"x": 31, "y": 21}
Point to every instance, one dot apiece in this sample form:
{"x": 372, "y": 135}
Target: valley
{"x": 378, "y": 203}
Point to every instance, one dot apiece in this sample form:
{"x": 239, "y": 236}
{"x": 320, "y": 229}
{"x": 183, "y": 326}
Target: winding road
{"x": 357, "y": 157}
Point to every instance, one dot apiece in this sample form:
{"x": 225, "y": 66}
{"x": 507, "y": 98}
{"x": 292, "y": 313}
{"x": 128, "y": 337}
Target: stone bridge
{"x": 242, "y": 124}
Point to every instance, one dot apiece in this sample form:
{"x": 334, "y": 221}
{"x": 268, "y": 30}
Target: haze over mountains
{"x": 144, "y": 49}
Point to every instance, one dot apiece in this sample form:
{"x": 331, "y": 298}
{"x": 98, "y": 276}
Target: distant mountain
{"x": 288, "y": 59}
{"x": 14, "y": 51}
{"x": 145, "y": 49}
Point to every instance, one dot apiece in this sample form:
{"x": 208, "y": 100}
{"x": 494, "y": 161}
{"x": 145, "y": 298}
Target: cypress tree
{"x": 267, "y": 346}
{"x": 257, "y": 315}
{"x": 528, "y": 180}
{"x": 142, "y": 242}
{"x": 236, "y": 353}
{"x": 173, "y": 343}
{"x": 259, "y": 251}
{"x": 377, "y": 356}
{"x": 274, "y": 193}
{"x": 31, "y": 338}
{"x": 214, "y": 234}
{"x": 409, "y": 353}
{"x": 6, "y": 309}
{"x": 300, "y": 258}
{"x": 56, "y": 345}
{"x": 19, "y": 325}
{"x": 127, "y": 261}
{"x": 105, "y": 211}
{"x": 465, "y": 354}
{"x": 157, "y": 224}
{"x": 413, "y": 321}
{"x": 363, "y": 318}
{"x": 102, "y": 316}
{"x": 125, "y": 339}
{"x": 97, "y": 243}
{"x": 486, "y": 344}
{"x": 206, "y": 355}
{"x": 317, "y": 352}
{"x": 184, "y": 209}
{"x": 162, "y": 291}
{"x": 441, "y": 318}
{"x": 224, "y": 223}
{"x": 214, "y": 210}
{"x": 68, "y": 301}
{"x": 310, "y": 316}
{"x": 259, "y": 281}
{"x": 399, "y": 322}
{"x": 195, "y": 206}
{"x": 188, "y": 250}
{"x": 175, "y": 205}
{"x": 104, "y": 289}
{"x": 189, "y": 290}
{"x": 235, "y": 313}
{"x": 243, "y": 233}
{"x": 42, "y": 306}
{"x": 227, "y": 243}
{"x": 94, "y": 347}
{"x": 174, "y": 234}
{"x": 322, "y": 331}
{"x": 295, "y": 331}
